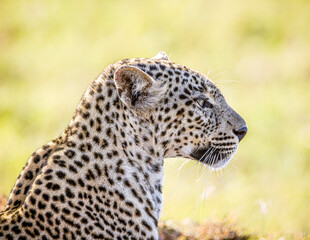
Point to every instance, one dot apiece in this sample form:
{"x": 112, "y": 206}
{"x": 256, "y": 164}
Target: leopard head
{"x": 187, "y": 113}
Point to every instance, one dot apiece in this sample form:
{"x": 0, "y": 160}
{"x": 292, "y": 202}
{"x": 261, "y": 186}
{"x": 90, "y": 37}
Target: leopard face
{"x": 210, "y": 129}
{"x": 191, "y": 116}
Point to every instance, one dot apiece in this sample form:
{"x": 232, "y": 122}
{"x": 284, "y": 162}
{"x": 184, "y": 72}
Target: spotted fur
{"x": 102, "y": 177}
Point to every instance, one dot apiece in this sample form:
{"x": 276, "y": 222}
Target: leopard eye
{"x": 200, "y": 102}
{"x": 204, "y": 103}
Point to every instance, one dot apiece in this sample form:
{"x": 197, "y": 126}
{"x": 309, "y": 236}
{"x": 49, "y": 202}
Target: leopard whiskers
{"x": 198, "y": 202}
{"x": 187, "y": 174}
{"x": 183, "y": 164}
{"x": 224, "y": 184}
{"x": 234, "y": 164}
{"x": 204, "y": 183}
{"x": 203, "y": 162}
{"x": 226, "y": 168}
{"x": 206, "y": 160}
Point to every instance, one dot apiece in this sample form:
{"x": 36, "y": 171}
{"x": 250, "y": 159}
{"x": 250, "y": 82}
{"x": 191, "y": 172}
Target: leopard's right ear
{"x": 136, "y": 88}
{"x": 161, "y": 55}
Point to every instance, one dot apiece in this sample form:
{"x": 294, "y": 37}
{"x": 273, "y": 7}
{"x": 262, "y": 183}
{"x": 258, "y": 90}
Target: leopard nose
{"x": 241, "y": 132}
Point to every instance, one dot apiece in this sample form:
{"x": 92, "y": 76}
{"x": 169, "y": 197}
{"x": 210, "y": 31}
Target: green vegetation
{"x": 258, "y": 52}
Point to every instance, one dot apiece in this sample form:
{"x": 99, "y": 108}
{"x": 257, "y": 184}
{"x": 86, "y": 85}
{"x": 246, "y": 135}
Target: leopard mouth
{"x": 211, "y": 156}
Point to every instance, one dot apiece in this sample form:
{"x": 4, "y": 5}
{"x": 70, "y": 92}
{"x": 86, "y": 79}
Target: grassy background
{"x": 258, "y": 52}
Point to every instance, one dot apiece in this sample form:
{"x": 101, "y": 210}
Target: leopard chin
{"x": 213, "y": 157}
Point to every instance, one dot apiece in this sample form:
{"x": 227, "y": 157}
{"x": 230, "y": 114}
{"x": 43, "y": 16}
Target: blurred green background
{"x": 258, "y": 53}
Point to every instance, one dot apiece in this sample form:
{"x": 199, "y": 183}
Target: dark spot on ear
{"x": 134, "y": 98}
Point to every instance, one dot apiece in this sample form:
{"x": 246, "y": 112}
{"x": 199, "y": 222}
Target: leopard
{"x": 102, "y": 177}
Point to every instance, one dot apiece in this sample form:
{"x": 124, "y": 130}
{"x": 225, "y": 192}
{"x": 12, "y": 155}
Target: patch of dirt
{"x": 189, "y": 230}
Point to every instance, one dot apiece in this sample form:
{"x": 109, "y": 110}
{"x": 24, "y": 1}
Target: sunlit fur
{"x": 102, "y": 177}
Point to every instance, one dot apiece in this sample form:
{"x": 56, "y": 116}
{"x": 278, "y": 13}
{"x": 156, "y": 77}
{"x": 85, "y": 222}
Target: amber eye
{"x": 204, "y": 103}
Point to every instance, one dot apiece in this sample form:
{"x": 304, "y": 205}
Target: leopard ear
{"x": 161, "y": 55}
{"x": 136, "y": 88}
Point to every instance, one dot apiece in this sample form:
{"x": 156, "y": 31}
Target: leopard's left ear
{"x": 161, "y": 55}
{"x": 136, "y": 88}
